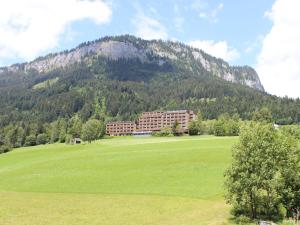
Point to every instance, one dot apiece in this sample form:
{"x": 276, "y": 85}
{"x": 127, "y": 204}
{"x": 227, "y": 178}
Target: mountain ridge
{"x": 130, "y": 47}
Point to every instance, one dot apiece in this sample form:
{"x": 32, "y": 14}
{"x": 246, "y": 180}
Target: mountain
{"x": 191, "y": 60}
{"x": 118, "y": 77}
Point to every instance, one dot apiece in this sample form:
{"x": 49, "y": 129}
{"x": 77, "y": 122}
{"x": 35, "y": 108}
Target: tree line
{"x": 62, "y": 131}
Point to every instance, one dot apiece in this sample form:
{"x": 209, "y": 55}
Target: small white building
{"x": 75, "y": 141}
{"x": 276, "y": 126}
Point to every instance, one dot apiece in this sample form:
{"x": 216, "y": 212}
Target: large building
{"x": 183, "y": 117}
{"x": 151, "y": 122}
{"x": 120, "y": 128}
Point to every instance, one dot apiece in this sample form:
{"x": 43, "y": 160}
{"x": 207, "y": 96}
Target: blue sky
{"x": 260, "y": 33}
{"x": 240, "y": 23}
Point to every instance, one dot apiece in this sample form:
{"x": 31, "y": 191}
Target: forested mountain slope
{"x": 124, "y": 75}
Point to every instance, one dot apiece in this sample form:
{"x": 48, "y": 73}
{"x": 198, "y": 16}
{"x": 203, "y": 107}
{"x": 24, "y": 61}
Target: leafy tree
{"x": 232, "y": 128}
{"x": 262, "y": 115}
{"x": 30, "y": 140}
{"x": 264, "y": 178}
{"x": 220, "y": 127}
{"x": 176, "y": 129}
{"x": 55, "y": 132}
{"x": 293, "y": 130}
{"x": 69, "y": 138}
{"x": 92, "y": 130}
{"x": 226, "y": 126}
{"x": 75, "y": 127}
{"x": 11, "y": 136}
{"x": 62, "y": 136}
{"x": 193, "y": 128}
{"x": 196, "y": 126}
{"x": 103, "y": 108}
{"x": 208, "y": 126}
{"x": 199, "y": 116}
{"x": 63, "y": 126}
{"x": 97, "y": 110}
{"x": 4, "y": 148}
{"x": 41, "y": 139}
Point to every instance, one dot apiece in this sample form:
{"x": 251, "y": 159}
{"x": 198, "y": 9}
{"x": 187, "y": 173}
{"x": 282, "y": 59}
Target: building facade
{"x": 151, "y": 122}
{"x": 183, "y": 117}
{"x": 120, "y": 128}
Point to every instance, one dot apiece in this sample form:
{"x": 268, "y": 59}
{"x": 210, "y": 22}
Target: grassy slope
{"x": 116, "y": 181}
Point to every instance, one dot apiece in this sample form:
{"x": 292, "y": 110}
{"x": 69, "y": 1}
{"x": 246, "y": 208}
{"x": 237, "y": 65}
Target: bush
{"x": 30, "y": 140}
{"x": 293, "y": 130}
{"x": 288, "y": 222}
{"x": 4, "y": 148}
{"x": 281, "y": 211}
{"x": 165, "y": 132}
{"x": 226, "y": 126}
{"x": 193, "y": 128}
{"x": 42, "y": 139}
{"x": 208, "y": 127}
{"x": 243, "y": 220}
{"x": 219, "y": 128}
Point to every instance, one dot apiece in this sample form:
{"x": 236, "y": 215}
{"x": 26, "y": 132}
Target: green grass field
{"x": 119, "y": 181}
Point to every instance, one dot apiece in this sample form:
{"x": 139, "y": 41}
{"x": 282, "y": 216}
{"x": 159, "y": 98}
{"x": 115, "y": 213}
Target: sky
{"x": 263, "y": 34}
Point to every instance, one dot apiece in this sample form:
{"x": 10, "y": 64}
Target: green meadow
{"x": 117, "y": 181}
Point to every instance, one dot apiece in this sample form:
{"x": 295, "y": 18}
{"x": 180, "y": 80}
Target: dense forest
{"x": 120, "y": 89}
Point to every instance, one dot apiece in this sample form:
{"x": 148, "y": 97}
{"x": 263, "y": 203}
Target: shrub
{"x": 165, "y": 132}
{"x": 30, "y": 140}
{"x": 41, "y": 139}
{"x": 281, "y": 211}
{"x": 4, "y": 148}
{"x": 193, "y": 128}
{"x": 243, "y": 220}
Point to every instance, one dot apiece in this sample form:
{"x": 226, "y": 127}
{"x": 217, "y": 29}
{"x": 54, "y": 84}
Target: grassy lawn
{"x": 129, "y": 180}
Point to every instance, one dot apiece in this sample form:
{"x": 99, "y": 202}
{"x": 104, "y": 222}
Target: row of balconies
{"x": 120, "y": 125}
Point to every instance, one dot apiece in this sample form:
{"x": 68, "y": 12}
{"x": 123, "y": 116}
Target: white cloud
{"x": 219, "y": 49}
{"x": 178, "y": 19}
{"x": 254, "y": 44}
{"x": 206, "y": 12}
{"x": 30, "y": 27}
{"x": 178, "y": 23}
{"x": 279, "y": 60}
{"x": 147, "y": 27}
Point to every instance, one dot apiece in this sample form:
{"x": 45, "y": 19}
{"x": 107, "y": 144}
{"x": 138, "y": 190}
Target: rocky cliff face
{"x": 159, "y": 52}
